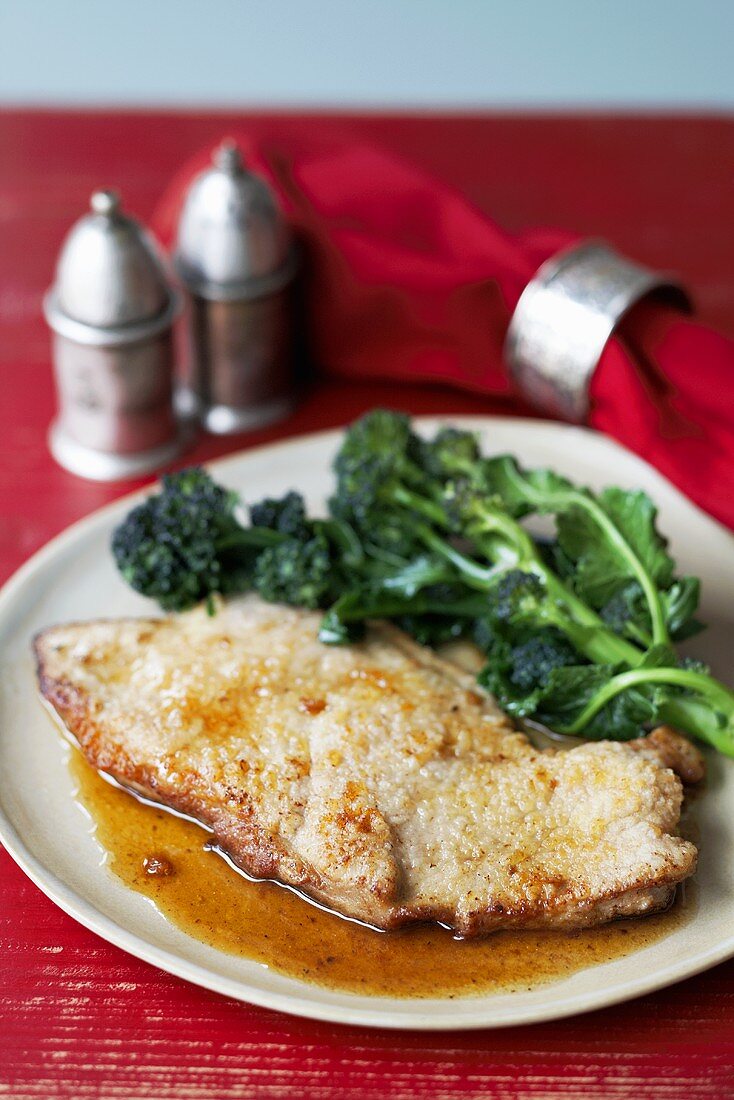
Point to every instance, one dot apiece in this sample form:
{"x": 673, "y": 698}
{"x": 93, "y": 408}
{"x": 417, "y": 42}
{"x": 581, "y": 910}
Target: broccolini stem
{"x": 712, "y": 721}
{"x": 608, "y": 647}
{"x": 598, "y": 644}
{"x": 251, "y": 536}
{"x": 344, "y": 536}
{"x": 596, "y": 641}
{"x": 696, "y": 717}
{"x": 355, "y": 607}
{"x": 428, "y": 508}
{"x": 660, "y": 634}
{"x": 479, "y": 576}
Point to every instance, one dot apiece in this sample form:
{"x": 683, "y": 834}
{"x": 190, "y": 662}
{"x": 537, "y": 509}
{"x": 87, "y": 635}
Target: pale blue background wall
{"x": 369, "y": 52}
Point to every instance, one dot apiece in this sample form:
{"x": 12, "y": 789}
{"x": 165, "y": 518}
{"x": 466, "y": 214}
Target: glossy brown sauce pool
{"x": 165, "y": 857}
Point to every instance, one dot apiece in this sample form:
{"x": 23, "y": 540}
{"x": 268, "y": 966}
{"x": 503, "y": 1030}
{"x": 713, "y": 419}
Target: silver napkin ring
{"x": 565, "y": 316}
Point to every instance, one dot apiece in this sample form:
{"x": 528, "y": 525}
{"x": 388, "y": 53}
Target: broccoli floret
{"x": 377, "y": 450}
{"x": 299, "y": 572}
{"x": 287, "y": 515}
{"x": 451, "y": 453}
{"x": 517, "y": 596}
{"x": 476, "y": 514}
{"x": 168, "y": 547}
{"x": 184, "y": 544}
{"x": 376, "y": 460}
{"x": 521, "y": 652}
{"x": 577, "y": 633}
{"x": 533, "y": 660}
{"x": 521, "y": 603}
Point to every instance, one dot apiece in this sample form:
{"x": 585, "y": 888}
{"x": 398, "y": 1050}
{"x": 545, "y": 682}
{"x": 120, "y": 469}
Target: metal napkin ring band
{"x": 565, "y": 316}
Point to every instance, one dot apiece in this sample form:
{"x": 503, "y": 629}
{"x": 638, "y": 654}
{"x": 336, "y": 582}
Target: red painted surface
{"x": 79, "y": 1018}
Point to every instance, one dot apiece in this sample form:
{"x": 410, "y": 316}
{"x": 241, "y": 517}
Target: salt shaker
{"x": 235, "y": 256}
{"x": 111, "y": 311}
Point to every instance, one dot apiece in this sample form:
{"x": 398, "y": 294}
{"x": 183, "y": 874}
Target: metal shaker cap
{"x": 233, "y": 242}
{"x": 111, "y": 286}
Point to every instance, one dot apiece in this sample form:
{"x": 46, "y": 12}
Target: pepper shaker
{"x": 111, "y": 312}
{"x": 235, "y": 257}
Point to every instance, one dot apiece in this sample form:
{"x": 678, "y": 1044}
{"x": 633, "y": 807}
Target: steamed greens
{"x": 579, "y": 629}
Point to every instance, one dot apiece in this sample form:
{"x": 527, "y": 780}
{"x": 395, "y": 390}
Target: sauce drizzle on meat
{"x": 262, "y": 921}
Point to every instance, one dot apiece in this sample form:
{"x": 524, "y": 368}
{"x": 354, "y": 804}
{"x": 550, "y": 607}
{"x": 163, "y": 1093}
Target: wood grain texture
{"x": 79, "y": 1019}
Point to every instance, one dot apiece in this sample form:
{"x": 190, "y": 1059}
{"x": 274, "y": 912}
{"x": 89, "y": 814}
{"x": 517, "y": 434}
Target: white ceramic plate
{"x": 50, "y": 837}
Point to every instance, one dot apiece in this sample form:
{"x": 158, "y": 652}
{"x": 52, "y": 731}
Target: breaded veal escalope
{"x": 376, "y": 778}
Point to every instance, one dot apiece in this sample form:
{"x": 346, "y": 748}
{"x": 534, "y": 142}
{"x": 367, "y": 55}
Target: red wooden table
{"x": 79, "y": 1017}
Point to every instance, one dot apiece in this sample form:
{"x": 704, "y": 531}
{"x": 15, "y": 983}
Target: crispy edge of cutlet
{"x": 256, "y": 851}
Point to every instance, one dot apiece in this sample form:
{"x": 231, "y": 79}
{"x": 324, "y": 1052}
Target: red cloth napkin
{"x": 406, "y": 280}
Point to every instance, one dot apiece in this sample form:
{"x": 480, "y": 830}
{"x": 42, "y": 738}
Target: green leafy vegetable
{"x": 608, "y": 541}
{"x": 185, "y": 543}
{"x": 287, "y": 515}
{"x": 578, "y": 628}
{"x": 298, "y": 571}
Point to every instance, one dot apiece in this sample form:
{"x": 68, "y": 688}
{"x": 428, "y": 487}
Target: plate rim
{"x": 392, "y": 1018}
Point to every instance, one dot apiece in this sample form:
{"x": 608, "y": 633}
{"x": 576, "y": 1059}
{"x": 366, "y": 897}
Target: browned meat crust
{"x": 376, "y": 778}
{"x": 676, "y": 752}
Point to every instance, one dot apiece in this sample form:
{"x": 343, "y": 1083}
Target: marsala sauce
{"x": 166, "y": 859}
